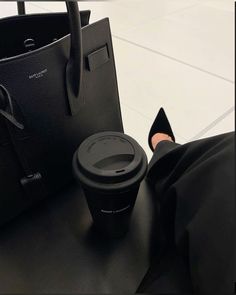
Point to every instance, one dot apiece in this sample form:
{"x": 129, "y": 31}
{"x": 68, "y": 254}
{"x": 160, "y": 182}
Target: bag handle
{"x": 21, "y": 7}
{"x": 74, "y": 68}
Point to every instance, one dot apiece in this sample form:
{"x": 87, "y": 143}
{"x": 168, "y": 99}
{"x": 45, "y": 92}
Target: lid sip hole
{"x": 119, "y": 171}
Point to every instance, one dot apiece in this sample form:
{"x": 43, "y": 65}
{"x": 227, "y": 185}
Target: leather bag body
{"x": 35, "y": 161}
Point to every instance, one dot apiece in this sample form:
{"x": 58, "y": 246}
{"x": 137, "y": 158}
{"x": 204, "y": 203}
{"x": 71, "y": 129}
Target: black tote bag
{"x": 57, "y": 86}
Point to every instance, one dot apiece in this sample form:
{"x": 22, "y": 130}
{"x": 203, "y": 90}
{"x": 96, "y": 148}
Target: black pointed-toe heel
{"x": 160, "y": 125}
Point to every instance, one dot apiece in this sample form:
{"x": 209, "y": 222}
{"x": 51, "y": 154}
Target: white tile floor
{"x": 178, "y": 54}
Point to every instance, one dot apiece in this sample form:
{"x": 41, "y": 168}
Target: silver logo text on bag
{"x": 38, "y": 75}
{"x": 115, "y": 211}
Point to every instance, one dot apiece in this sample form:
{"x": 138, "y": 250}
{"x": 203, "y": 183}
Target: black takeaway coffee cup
{"x": 110, "y": 167}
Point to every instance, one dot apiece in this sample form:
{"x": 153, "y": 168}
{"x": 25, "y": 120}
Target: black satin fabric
{"x": 194, "y": 185}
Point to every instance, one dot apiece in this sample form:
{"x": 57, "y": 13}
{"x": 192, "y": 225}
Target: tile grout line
{"x": 213, "y": 124}
{"x": 183, "y": 9}
{"x": 39, "y": 6}
{"x": 210, "y": 126}
{"x": 146, "y": 117}
{"x": 136, "y": 111}
{"x": 173, "y": 59}
{"x": 135, "y": 27}
{"x": 157, "y": 52}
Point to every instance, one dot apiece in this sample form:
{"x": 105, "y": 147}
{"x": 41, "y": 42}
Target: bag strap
{"x": 74, "y": 68}
{"x": 5, "y": 100}
{"x": 21, "y": 7}
{"x": 32, "y": 183}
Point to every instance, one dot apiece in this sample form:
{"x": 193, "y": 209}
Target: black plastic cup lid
{"x": 110, "y": 161}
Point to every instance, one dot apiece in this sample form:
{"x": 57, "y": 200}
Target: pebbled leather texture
{"x": 36, "y": 82}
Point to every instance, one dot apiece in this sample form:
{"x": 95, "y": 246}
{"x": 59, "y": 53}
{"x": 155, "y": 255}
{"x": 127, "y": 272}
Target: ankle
{"x": 158, "y": 137}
